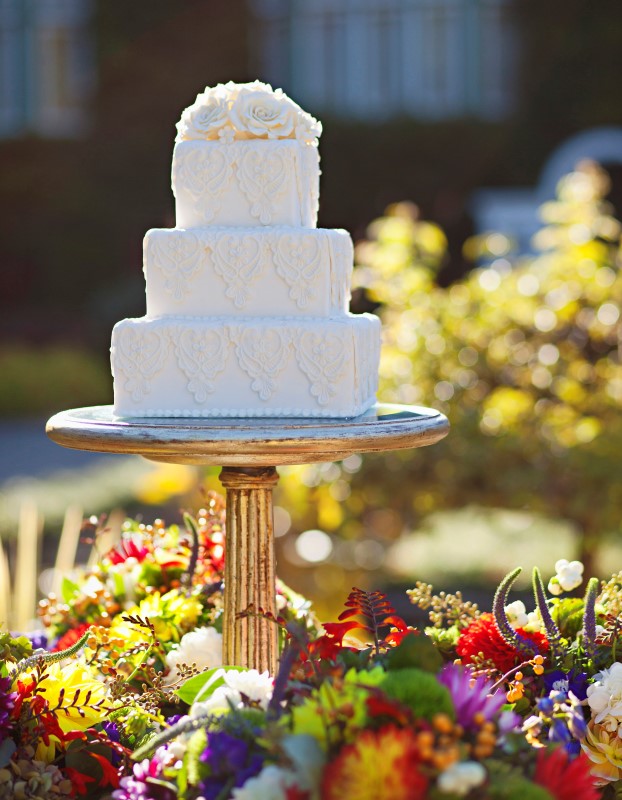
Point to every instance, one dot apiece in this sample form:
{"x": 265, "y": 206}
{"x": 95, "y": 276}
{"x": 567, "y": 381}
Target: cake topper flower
{"x": 231, "y": 111}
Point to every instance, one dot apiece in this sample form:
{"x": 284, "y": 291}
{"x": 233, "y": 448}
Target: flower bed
{"x": 125, "y": 695}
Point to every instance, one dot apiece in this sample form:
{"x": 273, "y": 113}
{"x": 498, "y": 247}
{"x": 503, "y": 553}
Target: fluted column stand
{"x": 250, "y": 641}
{"x": 249, "y": 449}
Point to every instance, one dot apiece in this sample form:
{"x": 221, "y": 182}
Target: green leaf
{"x": 200, "y": 687}
{"x": 192, "y": 763}
{"x": 68, "y": 590}
{"x": 119, "y": 586}
{"x": 415, "y": 651}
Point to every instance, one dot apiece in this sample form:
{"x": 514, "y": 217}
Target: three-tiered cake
{"x": 246, "y": 299}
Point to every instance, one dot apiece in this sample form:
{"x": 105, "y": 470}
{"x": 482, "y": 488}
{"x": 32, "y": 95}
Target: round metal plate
{"x": 248, "y": 442}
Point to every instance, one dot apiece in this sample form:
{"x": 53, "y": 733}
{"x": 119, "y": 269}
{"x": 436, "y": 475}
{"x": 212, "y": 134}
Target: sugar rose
{"x": 261, "y": 113}
{"x": 204, "y": 118}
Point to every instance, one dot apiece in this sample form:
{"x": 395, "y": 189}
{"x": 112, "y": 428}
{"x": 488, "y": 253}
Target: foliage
{"x": 523, "y": 357}
{"x": 41, "y": 381}
{"x": 130, "y": 696}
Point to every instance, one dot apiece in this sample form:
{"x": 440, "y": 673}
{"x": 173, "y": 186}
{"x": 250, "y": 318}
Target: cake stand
{"x": 248, "y": 450}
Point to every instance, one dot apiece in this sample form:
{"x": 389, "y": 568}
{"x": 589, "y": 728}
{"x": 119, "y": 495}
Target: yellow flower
{"x": 604, "y": 749}
{"x": 171, "y": 614}
{"x": 77, "y": 700}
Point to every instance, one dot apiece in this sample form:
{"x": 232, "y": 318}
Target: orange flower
{"x": 379, "y": 764}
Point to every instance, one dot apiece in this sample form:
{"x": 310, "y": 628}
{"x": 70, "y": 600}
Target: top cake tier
{"x": 246, "y": 183}
{"x": 246, "y": 155}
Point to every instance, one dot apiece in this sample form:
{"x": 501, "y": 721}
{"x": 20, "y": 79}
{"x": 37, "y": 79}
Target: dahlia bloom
{"x": 563, "y": 778}
{"x": 604, "y": 749}
{"x": 482, "y": 636}
{"x": 604, "y": 697}
{"x": 379, "y": 764}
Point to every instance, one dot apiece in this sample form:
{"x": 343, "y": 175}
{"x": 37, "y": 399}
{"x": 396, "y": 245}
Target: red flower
{"x": 482, "y": 636}
{"x": 565, "y": 779}
{"x": 110, "y": 774}
{"x": 127, "y": 549}
{"x": 79, "y": 780}
{"x": 71, "y": 637}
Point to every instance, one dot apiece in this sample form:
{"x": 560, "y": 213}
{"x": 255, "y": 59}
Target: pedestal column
{"x": 251, "y": 641}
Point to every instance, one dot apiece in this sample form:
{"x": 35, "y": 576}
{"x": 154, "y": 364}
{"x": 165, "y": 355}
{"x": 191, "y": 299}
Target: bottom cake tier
{"x": 252, "y": 367}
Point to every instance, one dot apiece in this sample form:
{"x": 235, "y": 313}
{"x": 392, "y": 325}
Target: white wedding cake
{"x": 246, "y": 299}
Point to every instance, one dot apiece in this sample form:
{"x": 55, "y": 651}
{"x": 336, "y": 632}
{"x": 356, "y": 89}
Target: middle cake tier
{"x": 270, "y": 271}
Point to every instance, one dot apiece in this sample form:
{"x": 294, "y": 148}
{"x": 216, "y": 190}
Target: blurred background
{"x": 449, "y": 128}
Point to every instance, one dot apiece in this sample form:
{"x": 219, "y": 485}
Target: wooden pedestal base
{"x": 250, "y": 641}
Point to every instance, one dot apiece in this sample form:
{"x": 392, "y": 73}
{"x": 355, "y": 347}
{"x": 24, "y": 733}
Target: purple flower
{"x": 231, "y": 763}
{"x": 112, "y": 732}
{"x": 7, "y": 701}
{"x": 38, "y": 640}
{"x": 470, "y": 695}
{"x": 562, "y": 681}
{"x": 145, "y": 783}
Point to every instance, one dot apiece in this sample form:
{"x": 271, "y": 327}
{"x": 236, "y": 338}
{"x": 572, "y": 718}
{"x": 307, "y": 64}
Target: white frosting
{"x": 247, "y": 271}
{"x": 239, "y": 111}
{"x": 220, "y": 367}
{"x": 254, "y": 182}
{"x": 246, "y": 299}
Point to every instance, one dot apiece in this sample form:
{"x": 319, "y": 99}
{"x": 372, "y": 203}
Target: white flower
{"x": 264, "y": 113}
{"x": 604, "y": 696}
{"x": 202, "y": 647}
{"x": 307, "y": 759}
{"x": 256, "y": 686}
{"x": 272, "y": 783}
{"x": 569, "y": 575}
{"x": 308, "y": 129}
{"x": 516, "y": 614}
{"x": 221, "y": 700}
{"x": 461, "y": 777}
{"x": 238, "y": 686}
{"x": 205, "y": 117}
{"x": 534, "y": 622}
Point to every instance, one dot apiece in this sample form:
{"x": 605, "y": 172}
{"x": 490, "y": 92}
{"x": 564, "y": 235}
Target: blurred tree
{"x": 524, "y": 358}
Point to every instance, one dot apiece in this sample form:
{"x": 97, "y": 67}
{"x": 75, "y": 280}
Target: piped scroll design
{"x": 322, "y": 358}
{"x": 206, "y": 173}
{"x": 237, "y": 261}
{"x": 140, "y": 355}
{"x": 298, "y": 262}
{"x": 262, "y": 178}
{"x": 201, "y": 356}
{"x": 262, "y": 357}
{"x": 177, "y": 256}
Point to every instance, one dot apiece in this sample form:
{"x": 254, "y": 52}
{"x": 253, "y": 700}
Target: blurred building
{"x": 426, "y": 100}
{"x": 47, "y": 67}
{"x": 364, "y": 59}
